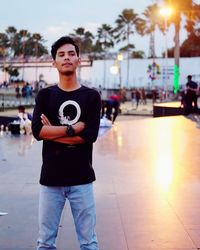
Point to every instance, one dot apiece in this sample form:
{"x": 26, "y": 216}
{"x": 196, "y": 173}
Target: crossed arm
{"x": 193, "y": 89}
{"x": 58, "y": 133}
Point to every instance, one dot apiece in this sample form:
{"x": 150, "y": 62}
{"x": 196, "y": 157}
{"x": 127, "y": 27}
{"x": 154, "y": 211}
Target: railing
{"x": 32, "y": 62}
{"x": 10, "y": 101}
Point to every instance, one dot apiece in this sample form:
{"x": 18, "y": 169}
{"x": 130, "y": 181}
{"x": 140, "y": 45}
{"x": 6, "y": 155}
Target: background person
{"x": 191, "y": 95}
{"x": 22, "y": 114}
{"x": 24, "y": 119}
{"x": 110, "y": 108}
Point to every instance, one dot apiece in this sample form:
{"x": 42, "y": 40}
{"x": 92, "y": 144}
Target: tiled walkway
{"x": 147, "y": 189}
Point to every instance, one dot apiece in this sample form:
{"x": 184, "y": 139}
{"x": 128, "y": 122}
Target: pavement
{"x": 129, "y": 108}
{"x": 147, "y": 189}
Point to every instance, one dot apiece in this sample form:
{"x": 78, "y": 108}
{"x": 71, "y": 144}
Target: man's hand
{"x": 78, "y": 127}
{"x": 45, "y": 120}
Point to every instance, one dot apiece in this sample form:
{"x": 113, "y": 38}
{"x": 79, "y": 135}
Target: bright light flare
{"x": 165, "y": 170}
{"x": 164, "y": 155}
{"x": 119, "y": 141}
{"x": 166, "y": 11}
{"x": 120, "y": 57}
{"x": 114, "y": 70}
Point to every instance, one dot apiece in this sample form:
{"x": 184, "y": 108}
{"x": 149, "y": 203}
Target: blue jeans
{"x": 51, "y": 204}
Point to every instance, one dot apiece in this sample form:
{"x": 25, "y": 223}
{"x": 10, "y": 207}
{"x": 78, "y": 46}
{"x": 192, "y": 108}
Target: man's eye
{"x": 61, "y": 54}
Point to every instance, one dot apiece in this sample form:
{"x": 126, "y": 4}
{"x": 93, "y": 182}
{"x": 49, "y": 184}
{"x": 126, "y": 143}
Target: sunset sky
{"x": 53, "y": 19}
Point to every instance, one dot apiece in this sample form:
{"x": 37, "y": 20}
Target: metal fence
{"x": 10, "y": 101}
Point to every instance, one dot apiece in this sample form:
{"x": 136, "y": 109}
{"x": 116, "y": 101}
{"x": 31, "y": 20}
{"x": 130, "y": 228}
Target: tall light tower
{"x": 166, "y": 12}
{"x": 116, "y": 68}
{"x": 152, "y": 45}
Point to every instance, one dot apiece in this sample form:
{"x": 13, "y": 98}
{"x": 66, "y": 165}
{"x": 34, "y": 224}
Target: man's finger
{"x": 45, "y": 120}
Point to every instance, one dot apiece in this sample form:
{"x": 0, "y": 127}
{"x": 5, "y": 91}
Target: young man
{"x": 67, "y": 117}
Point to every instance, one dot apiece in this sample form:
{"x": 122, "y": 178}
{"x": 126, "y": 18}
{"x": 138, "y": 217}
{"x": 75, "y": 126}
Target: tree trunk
{"x": 177, "y": 44}
{"x": 128, "y": 56}
{"x": 104, "y": 72}
{"x": 128, "y": 67}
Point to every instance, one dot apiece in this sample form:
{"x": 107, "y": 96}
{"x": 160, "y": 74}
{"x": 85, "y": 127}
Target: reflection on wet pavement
{"x": 147, "y": 188}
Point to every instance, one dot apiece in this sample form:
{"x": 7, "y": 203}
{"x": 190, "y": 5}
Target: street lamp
{"x": 166, "y": 12}
{"x": 116, "y": 68}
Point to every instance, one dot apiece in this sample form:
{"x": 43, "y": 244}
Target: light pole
{"x": 166, "y": 13}
{"x": 116, "y": 68}
{"x": 119, "y": 59}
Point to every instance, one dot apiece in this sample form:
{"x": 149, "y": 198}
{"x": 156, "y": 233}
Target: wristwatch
{"x": 70, "y": 131}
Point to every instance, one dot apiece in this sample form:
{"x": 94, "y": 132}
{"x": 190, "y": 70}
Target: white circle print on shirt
{"x": 69, "y": 113}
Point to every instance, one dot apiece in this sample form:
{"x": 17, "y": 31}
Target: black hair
{"x": 61, "y": 41}
{"x": 189, "y": 77}
{"x": 21, "y": 107}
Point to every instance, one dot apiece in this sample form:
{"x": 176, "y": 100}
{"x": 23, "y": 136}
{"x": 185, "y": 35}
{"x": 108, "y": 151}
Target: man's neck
{"x": 68, "y": 83}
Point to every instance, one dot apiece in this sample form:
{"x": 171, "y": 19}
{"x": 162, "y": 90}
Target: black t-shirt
{"x": 67, "y": 165}
{"x": 192, "y": 87}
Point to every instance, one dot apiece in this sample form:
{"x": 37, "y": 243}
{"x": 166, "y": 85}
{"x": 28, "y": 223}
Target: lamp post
{"x": 119, "y": 59}
{"x": 116, "y": 68}
{"x": 166, "y": 13}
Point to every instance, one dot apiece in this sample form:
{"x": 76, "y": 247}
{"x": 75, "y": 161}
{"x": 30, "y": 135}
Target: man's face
{"x": 66, "y": 60}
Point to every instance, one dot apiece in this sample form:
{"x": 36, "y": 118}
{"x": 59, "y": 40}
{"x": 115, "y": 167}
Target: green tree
{"x": 11, "y": 33}
{"x": 191, "y": 46}
{"x": 105, "y": 40}
{"x": 4, "y": 44}
{"x": 13, "y": 72}
{"x": 84, "y": 39}
{"x": 147, "y": 25}
{"x": 138, "y": 54}
{"x": 36, "y": 43}
{"x": 180, "y": 8}
{"x": 97, "y": 48}
{"x": 126, "y": 24}
{"x": 105, "y": 37}
{"x": 21, "y": 40}
{"x": 22, "y": 43}
{"x": 129, "y": 47}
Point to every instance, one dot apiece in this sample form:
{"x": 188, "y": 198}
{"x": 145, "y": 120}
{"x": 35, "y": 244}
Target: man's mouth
{"x": 67, "y": 64}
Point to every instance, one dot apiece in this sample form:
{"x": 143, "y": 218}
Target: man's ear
{"x": 54, "y": 64}
{"x": 79, "y": 61}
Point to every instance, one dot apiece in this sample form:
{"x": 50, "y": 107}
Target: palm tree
{"x": 15, "y": 43}
{"x": 191, "y": 46}
{"x": 105, "y": 39}
{"x": 36, "y": 43}
{"x": 23, "y": 36}
{"x": 181, "y": 7}
{"x": 126, "y": 26}
{"x": 147, "y": 26}
{"x": 11, "y": 33}
{"x": 4, "y": 44}
{"x": 84, "y": 39}
{"x": 21, "y": 39}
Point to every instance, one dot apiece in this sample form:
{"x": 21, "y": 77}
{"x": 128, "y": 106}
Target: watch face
{"x": 70, "y": 131}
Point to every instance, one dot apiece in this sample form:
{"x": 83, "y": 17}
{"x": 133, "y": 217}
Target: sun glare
{"x": 166, "y": 11}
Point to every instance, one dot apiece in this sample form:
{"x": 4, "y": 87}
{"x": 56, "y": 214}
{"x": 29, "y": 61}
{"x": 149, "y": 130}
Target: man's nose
{"x": 66, "y": 57}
